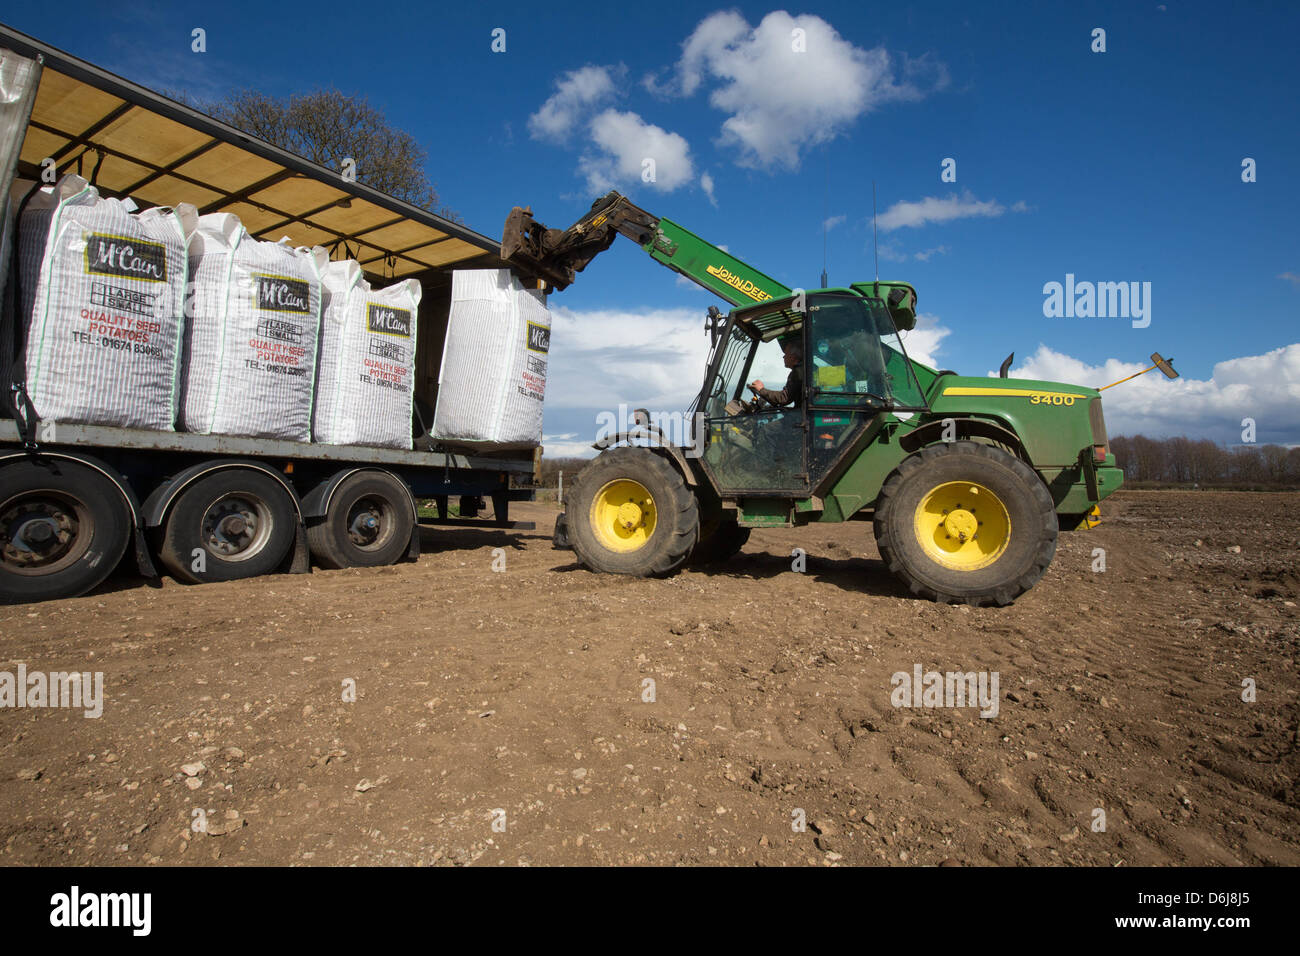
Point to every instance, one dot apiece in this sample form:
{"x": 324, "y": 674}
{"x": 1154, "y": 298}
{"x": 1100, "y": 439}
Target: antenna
{"x": 826, "y": 212}
{"x": 875, "y": 246}
{"x": 825, "y": 230}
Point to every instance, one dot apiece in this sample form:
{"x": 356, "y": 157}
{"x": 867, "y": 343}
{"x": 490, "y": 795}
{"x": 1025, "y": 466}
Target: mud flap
{"x": 560, "y": 540}
{"x": 413, "y": 547}
{"x": 300, "y": 554}
{"x": 143, "y": 559}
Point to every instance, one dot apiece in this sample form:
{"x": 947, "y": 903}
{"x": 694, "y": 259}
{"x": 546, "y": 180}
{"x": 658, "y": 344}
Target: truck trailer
{"x": 78, "y": 499}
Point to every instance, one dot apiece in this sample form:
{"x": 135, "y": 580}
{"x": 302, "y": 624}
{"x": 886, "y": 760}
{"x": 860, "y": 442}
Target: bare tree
{"x": 1183, "y": 461}
{"x": 330, "y": 128}
{"x": 551, "y": 468}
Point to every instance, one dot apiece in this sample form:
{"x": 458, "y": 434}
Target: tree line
{"x": 1187, "y": 461}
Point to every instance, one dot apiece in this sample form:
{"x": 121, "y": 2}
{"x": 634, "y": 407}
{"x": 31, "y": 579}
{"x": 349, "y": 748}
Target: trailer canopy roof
{"x": 130, "y": 141}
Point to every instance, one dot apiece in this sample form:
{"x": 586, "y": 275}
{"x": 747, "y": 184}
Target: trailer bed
{"x": 101, "y": 437}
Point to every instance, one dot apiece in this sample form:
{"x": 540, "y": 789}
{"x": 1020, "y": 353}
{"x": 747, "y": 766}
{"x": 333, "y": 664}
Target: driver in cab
{"x": 792, "y": 394}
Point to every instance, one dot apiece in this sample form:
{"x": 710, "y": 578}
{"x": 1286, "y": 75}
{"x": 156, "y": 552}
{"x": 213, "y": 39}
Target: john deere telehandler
{"x": 967, "y": 480}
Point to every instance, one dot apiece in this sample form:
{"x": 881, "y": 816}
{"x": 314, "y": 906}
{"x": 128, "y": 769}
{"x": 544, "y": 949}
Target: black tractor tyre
{"x": 676, "y": 514}
{"x": 1030, "y": 538}
{"x": 368, "y": 523}
{"x": 243, "y": 521}
{"x": 63, "y": 528}
{"x": 718, "y": 542}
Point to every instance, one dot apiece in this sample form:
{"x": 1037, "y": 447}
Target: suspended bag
{"x": 493, "y": 378}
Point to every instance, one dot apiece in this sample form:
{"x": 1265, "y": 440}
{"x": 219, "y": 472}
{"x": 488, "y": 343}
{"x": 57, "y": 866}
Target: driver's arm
{"x": 792, "y": 392}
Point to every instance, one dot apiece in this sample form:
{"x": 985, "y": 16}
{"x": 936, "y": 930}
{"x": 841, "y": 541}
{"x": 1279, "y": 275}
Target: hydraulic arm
{"x": 558, "y": 255}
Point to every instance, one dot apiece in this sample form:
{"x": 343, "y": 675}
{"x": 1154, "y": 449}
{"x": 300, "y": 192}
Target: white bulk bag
{"x": 250, "y": 346}
{"x": 364, "y": 383}
{"x": 493, "y": 377}
{"x": 103, "y": 292}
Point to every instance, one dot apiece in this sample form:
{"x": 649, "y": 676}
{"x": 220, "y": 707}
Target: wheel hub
{"x": 365, "y": 527}
{"x": 962, "y": 525}
{"x": 235, "y": 527}
{"x": 232, "y": 526}
{"x": 629, "y": 515}
{"x": 37, "y": 533}
{"x": 623, "y": 515}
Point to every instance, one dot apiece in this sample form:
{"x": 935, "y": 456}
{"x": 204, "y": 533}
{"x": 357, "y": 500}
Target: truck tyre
{"x": 368, "y": 523}
{"x": 63, "y": 528}
{"x": 232, "y": 524}
{"x": 719, "y": 541}
{"x": 630, "y": 512}
{"x": 965, "y": 522}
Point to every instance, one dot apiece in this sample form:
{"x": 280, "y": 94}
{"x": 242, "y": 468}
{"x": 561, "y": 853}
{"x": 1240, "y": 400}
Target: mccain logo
{"x": 386, "y": 320}
{"x": 126, "y": 258}
{"x": 283, "y": 294}
{"x": 539, "y": 338}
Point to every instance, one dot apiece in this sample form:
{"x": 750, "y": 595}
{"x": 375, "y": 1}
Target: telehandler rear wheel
{"x": 965, "y": 522}
{"x": 719, "y": 540}
{"x": 630, "y": 512}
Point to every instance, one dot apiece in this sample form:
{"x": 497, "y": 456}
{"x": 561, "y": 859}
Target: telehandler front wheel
{"x": 630, "y": 512}
{"x": 965, "y": 522}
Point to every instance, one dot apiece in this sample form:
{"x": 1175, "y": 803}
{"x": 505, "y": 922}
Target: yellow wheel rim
{"x": 962, "y": 525}
{"x": 623, "y": 515}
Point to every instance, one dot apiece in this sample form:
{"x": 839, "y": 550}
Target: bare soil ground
{"x": 521, "y": 693}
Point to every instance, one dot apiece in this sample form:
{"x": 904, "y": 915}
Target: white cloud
{"x": 651, "y": 358}
{"x": 832, "y": 222}
{"x": 935, "y": 209}
{"x": 706, "y": 183}
{"x": 576, "y": 93}
{"x": 568, "y": 445}
{"x": 1263, "y": 387}
{"x": 890, "y": 252}
{"x": 923, "y": 343}
{"x": 782, "y": 100}
{"x": 625, "y": 142}
{"x": 1290, "y": 277}
{"x": 926, "y": 254}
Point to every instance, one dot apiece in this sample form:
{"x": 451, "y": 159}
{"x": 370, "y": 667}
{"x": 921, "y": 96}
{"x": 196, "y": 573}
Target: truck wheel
{"x": 965, "y": 522}
{"x": 630, "y": 512}
{"x": 368, "y": 523}
{"x": 63, "y": 528}
{"x": 718, "y": 541}
{"x": 229, "y": 525}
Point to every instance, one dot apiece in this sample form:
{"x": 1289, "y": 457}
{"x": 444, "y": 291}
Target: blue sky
{"x": 1122, "y": 166}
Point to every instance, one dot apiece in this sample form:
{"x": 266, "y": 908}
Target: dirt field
{"x": 522, "y": 691}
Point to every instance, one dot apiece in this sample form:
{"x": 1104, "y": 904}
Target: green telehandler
{"x": 967, "y": 480}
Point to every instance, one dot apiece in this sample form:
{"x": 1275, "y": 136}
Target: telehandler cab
{"x": 967, "y": 479}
